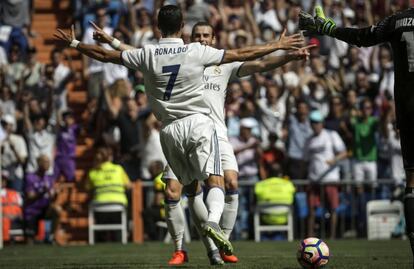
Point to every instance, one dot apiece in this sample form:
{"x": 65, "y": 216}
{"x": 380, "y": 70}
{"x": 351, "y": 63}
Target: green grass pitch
{"x": 277, "y": 254}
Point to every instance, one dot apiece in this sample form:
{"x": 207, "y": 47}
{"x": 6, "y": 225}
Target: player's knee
{"x": 172, "y": 192}
{"x": 232, "y": 185}
{"x": 230, "y": 181}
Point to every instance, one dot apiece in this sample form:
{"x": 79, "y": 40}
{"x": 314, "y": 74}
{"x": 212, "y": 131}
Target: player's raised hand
{"x": 99, "y": 34}
{"x": 65, "y": 37}
{"x": 290, "y": 42}
{"x": 318, "y": 24}
{"x": 302, "y": 53}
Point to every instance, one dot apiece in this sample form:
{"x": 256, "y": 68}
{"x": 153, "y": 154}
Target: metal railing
{"x": 348, "y": 214}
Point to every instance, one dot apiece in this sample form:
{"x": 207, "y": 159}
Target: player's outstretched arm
{"x": 253, "y": 52}
{"x": 364, "y": 37}
{"x": 102, "y": 37}
{"x": 94, "y": 51}
{"x": 271, "y": 63}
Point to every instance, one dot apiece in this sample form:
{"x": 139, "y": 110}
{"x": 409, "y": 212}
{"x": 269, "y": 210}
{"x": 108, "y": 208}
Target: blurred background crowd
{"x": 271, "y": 117}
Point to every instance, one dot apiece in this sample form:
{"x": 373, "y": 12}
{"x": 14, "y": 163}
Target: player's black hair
{"x": 199, "y": 24}
{"x": 170, "y": 20}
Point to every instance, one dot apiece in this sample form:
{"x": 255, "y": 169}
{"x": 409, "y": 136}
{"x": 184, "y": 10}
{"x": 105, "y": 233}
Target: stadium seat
{"x": 273, "y": 209}
{"x": 382, "y": 218}
{"x": 107, "y": 209}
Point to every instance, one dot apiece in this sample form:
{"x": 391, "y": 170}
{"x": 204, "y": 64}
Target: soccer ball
{"x": 313, "y": 253}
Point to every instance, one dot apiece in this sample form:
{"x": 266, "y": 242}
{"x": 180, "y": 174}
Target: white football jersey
{"x": 215, "y": 80}
{"x": 173, "y": 75}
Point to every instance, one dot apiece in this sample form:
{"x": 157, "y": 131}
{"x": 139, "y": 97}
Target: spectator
{"x": 338, "y": 122}
{"x": 107, "y": 181}
{"x": 129, "y": 123}
{"x": 33, "y": 72}
{"x": 93, "y": 71}
{"x": 115, "y": 72}
{"x": 271, "y": 156}
{"x": 299, "y": 130}
{"x": 12, "y": 204}
{"x": 13, "y": 153}
{"x": 365, "y": 147}
{"x": 7, "y": 103}
{"x": 15, "y": 68}
{"x": 61, "y": 77}
{"x": 39, "y": 139}
{"x": 272, "y": 112}
{"x": 15, "y": 15}
{"x": 274, "y": 190}
{"x": 66, "y": 137}
{"x": 143, "y": 33}
{"x": 247, "y": 151}
{"x": 39, "y": 196}
{"x": 322, "y": 152}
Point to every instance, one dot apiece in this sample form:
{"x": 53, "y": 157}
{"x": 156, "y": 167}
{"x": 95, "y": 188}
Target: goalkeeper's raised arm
{"x": 361, "y": 37}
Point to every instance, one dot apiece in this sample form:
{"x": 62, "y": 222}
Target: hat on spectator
{"x": 248, "y": 123}
{"x": 316, "y": 116}
{"x": 9, "y": 119}
{"x": 139, "y": 88}
{"x": 314, "y": 41}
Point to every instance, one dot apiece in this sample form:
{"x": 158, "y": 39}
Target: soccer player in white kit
{"x": 173, "y": 79}
{"x": 215, "y": 85}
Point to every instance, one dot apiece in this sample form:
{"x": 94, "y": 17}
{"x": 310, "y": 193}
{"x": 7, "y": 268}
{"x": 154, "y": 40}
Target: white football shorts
{"x": 191, "y": 148}
{"x": 228, "y": 159}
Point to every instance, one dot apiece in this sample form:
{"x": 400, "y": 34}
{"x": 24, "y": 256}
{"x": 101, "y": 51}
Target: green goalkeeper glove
{"x": 318, "y": 24}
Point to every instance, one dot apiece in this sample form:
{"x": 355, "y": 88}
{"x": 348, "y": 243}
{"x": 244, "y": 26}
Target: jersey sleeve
{"x": 338, "y": 143}
{"x": 210, "y": 56}
{"x": 132, "y": 58}
{"x": 369, "y": 36}
{"x": 235, "y": 70}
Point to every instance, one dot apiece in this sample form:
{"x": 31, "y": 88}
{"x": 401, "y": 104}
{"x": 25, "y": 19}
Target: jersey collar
{"x": 171, "y": 41}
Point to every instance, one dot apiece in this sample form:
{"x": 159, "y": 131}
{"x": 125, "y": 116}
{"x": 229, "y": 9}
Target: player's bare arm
{"x": 102, "y": 37}
{"x": 251, "y": 67}
{"x": 94, "y": 51}
{"x": 292, "y": 42}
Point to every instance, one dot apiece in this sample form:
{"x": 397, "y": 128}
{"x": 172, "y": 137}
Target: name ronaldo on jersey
{"x": 166, "y": 51}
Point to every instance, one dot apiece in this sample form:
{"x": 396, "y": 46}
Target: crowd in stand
{"x": 268, "y": 115}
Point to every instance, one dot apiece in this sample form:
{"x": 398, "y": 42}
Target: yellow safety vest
{"x": 274, "y": 190}
{"x": 108, "y": 183}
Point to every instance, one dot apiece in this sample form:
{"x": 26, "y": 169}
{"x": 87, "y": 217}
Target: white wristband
{"x": 115, "y": 44}
{"x": 74, "y": 43}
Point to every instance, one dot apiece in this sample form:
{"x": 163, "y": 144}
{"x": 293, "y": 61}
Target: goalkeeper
{"x": 398, "y": 30}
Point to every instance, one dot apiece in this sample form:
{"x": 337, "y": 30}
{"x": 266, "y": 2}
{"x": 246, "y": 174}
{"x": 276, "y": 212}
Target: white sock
{"x": 175, "y": 219}
{"x": 228, "y": 219}
{"x": 215, "y": 204}
{"x": 199, "y": 214}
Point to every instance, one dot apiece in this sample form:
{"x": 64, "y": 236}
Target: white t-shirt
{"x": 95, "y": 65}
{"x": 9, "y": 158}
{"x": 215, "y": 80}
{"x": 39, "y": 143}
{"x": 173, "y": 76}
{"x": 318, "y": 150}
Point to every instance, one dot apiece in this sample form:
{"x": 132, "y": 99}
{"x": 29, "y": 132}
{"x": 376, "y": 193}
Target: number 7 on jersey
{"x": 173, "y": 69}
